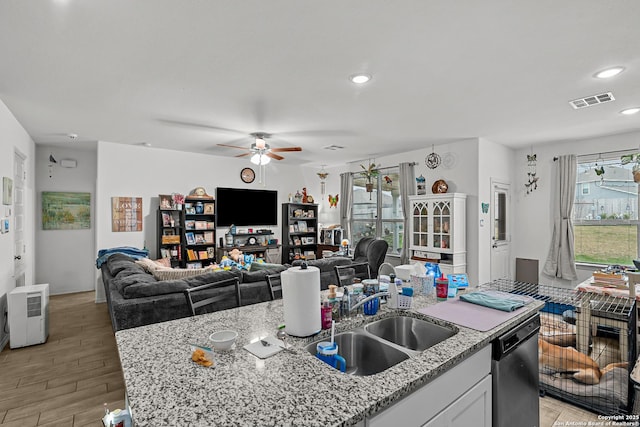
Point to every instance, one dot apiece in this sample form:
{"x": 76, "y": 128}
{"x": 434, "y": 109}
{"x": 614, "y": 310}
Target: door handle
{"x": 495, "y": 245}
{"x": 18, "y": 257}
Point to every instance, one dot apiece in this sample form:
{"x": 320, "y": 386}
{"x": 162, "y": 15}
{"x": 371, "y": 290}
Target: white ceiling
{"x": 190, "y": 74}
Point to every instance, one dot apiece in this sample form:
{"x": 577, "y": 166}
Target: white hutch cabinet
{"x": 438, "y": 231}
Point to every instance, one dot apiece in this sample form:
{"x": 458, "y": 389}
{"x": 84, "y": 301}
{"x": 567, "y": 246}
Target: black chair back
{"x": 228, "y": 289}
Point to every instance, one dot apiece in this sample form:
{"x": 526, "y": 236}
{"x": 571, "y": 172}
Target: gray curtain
{"x": 561, "y": 260}
{"x": 407, "y": 188}
{"x": 346, "y": 203}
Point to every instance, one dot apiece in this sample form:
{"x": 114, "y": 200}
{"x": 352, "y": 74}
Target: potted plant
{"x": 369, "y": 173}
{"x": 628, "y": 158}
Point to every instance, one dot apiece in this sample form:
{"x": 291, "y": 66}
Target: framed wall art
{"x": 126, "y": 214}
{"x": 66, "y": 210}
{"x": 7, "y": 190}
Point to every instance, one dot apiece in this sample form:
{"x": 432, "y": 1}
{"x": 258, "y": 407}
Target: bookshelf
{"x": 299, "y": 231}
{"x": 198, "y": 232}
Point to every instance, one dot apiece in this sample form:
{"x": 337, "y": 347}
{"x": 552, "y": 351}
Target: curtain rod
{"x": 599, "y": 153}
{"x": 390, "y": 167}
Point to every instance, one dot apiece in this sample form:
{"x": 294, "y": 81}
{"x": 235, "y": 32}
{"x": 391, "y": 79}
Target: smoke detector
{"x": 592, "y": 100}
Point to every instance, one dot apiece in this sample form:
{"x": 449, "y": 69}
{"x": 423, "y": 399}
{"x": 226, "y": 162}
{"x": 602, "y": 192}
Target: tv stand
{"x": 270, "y": 252}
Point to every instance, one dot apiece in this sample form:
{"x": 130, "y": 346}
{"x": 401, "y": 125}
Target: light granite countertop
{"x": 165, "y": 388}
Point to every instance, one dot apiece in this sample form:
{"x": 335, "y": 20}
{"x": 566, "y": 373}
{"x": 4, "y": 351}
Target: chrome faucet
{"x": 392, "y": 301}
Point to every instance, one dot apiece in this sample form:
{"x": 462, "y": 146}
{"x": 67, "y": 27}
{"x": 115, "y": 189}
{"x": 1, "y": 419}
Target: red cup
{"x": 442, "y": 288}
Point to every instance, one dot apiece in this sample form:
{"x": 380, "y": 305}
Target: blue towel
{"x": 480, "y": 298}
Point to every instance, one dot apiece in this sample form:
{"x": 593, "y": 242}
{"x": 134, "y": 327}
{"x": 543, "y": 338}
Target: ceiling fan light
{"x": 260, "y": 143}
{"x": 260, "y": 159}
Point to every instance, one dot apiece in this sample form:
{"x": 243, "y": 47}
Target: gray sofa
{"x": 136, "y": 298}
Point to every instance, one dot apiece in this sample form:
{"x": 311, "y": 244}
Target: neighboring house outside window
{"x": 605, "y": 213}
{"x": 378, "y": 214}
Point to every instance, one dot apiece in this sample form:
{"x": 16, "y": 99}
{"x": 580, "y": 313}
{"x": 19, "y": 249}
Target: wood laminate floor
{"x": 67, "y": 380}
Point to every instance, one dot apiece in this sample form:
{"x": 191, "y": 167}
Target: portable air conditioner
{"x": 28, "y": 315}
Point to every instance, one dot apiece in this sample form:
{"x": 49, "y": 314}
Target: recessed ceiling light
{"x": 609, "y": 72}
{"x": 360, "y": 78}
{"x": 630, "y": 111}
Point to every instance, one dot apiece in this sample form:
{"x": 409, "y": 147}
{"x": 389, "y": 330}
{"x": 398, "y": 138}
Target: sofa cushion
{"x": 147, "y": 289}
{"x": 325, "y": 264}
{"x": 256, "y": 266}
{"x": 261, "y": 275}
{"x": 123, "y": 282}
{"x": 118, "y": 262}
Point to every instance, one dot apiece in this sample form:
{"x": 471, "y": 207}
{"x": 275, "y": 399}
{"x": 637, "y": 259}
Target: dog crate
{"x": 591, "y": 341}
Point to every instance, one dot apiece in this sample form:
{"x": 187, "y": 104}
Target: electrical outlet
{"x": 4, "y": 322}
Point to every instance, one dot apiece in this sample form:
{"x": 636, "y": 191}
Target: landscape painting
{"x": 66, "y": 210}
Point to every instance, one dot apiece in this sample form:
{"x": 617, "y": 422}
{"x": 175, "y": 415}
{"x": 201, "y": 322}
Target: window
{"x": 605, "y": 211}
{"x": 378, "y": 213}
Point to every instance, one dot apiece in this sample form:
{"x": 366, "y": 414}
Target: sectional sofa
{"x": 136, "y": 297}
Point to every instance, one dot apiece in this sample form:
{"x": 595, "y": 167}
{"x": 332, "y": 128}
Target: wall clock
{"x": 247, "y": 175}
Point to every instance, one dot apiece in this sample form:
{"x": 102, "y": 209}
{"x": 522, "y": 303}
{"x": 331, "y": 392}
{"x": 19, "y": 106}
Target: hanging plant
{"x": 628, "y": 158}
{"x": 369, "y": 173}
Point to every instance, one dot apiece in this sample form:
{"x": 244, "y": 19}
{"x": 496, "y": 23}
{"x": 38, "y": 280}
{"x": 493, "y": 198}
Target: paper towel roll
{"x": 301, "y": 299}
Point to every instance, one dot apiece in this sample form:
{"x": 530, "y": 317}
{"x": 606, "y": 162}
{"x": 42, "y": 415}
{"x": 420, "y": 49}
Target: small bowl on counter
{"x": 223, "y": 340}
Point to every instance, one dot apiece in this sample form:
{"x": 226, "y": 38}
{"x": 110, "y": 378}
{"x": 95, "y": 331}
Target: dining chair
{"x": 347, "y": 273}
{"x": 201, "y": 296}
{"x": 275, "y": 285}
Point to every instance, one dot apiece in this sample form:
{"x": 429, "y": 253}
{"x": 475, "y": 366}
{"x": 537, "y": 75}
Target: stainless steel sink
{"x": 364, "y": 354}
{"x": 414, "y": 334}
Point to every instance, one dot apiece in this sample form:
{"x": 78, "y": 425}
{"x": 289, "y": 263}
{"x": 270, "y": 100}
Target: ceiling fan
{"x": 261, "y": 153}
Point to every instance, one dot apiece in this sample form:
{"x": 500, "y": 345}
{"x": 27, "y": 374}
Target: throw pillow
{"x": 152, "y": 265}
{"x": 177, "y": 273}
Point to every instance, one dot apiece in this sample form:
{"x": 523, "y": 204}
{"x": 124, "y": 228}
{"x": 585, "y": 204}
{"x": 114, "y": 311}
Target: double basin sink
{"x": 386, "y": 342}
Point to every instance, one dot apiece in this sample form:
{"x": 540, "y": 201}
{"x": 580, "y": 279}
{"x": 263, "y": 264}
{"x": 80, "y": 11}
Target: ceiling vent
{"x": 592, "y": 100}
{"x": 333, "y": 147}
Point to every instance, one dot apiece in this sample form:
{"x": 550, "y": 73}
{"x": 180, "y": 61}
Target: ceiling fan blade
{"x": 274, "y": 156}
{"x": 242, "y": 155}
{"x": 284, "y": 149}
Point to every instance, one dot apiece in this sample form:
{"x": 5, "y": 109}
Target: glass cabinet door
{"x": 441, "y": 224}
{"x": 420, "y": 225}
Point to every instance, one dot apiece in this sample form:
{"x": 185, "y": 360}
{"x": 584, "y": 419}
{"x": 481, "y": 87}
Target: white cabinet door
{"x": 472, "y": 409}
{"x": 434, "y": 397}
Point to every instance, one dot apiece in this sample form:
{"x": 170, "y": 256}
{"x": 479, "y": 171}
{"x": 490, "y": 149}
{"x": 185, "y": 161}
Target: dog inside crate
{"x": 597, "y": 377}
{"x": 597, "y": 381}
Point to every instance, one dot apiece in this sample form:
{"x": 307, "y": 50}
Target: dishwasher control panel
{"x": 511, "y": 339}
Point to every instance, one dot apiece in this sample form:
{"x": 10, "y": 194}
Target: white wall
{"x": 136, "y": 171}
{"x": 533, "y": 215}
{"x": 14, "y": 137}
{"x": 65, "y": 258}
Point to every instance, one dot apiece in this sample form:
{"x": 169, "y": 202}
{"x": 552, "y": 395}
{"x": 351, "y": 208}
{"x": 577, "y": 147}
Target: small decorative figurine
{"x": 333, "y": 201}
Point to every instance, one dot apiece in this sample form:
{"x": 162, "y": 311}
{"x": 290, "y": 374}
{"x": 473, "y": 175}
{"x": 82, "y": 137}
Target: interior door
{"x": 500, "y": 234}
{"x": 18, "y": 223}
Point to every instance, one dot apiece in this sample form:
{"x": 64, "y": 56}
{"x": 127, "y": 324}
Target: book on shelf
{"x": 201, "y": 225}
{"x": 200, "y": 239}
{"x": 203, "y": 254}
{"x": 164, "y": 253}
{"x": 296, "y": 240}
{"x": 302, "y": 226}
{"x": 190, "y": 224}
{"x": 211, "y": 225}
{"x": 208, "y": 237}
{"x": 211, "y": 251}
{"x": 191, "y": 238}
{"x": 166, "y": 219}
{"x": 194, "y": 265}
{"x": 191, "y": 255}
{"x": 209, "y": 208}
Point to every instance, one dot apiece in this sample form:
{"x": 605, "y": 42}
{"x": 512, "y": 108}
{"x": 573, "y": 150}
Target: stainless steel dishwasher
{"x": 515, "y": 378}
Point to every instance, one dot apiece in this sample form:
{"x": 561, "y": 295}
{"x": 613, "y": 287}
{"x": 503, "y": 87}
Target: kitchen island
{"x": 165, "y": 388}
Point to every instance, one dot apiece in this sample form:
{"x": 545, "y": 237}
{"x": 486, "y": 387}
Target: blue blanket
{"x": 481, "y": 298}
{"x": 135, "y": 253}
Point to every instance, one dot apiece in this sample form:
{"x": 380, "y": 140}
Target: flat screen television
{"x": 244, "y": 207}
